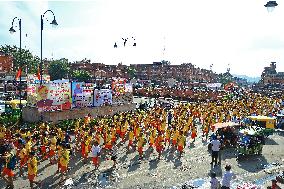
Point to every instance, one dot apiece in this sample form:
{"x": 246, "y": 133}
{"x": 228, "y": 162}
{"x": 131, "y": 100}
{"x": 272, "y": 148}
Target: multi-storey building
{"x": 185, "y": 72}
{"x": 271, "y": 76}
{"x": 6, "y": 63}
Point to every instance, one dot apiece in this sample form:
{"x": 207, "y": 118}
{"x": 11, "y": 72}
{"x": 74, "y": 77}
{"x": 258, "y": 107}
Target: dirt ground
{"x": 169, "y": 172}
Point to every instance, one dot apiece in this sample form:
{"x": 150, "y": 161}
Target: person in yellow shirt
{"x": 64, "y": 161}
{"x": 32, "y": 170}
{"x": 152, "y": 139}
{"x": 52, "y": 149}
{"x": 28, "y": 145}
{"x": 175, "y": 137}
{"x": 181, "y": 143}
{"x": 44, "y": 143}
{"x": 130, "y": 138}
{"x": 108, "y": 142}
{"x": 113, "y": 134}
{"x": 2, "y": 132}
{"x": 168, "y": 137}
{"x": 140, "y": 144}
{"x": 23, "y": 157}
{"x": 59, "y": 154}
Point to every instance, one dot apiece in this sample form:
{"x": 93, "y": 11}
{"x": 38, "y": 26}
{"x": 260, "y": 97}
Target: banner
{"x": 102, "y": 97}
{"x": 54, "y": 96}
{"x": 82, "y": 94}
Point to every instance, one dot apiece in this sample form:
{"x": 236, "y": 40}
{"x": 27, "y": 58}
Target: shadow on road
{"x": 134, "y": 164}
{"x": 252, "y": 163}
{"x": 270, "y": 141}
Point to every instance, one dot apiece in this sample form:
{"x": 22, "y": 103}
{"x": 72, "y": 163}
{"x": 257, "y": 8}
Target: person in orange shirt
{"x": 193, "y": 133}
{"x": 83, "y": 149}
{"x": 113, "y": 134}
{"x": 160, "y": 144}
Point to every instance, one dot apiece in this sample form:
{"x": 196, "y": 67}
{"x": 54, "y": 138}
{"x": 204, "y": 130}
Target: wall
{"x": 32, "y": 115}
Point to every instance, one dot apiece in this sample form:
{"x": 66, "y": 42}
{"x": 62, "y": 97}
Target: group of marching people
{"x": 155, "y": 129}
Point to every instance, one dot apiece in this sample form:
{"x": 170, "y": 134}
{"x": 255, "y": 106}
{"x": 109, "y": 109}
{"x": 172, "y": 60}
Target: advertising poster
{"x": 82, "y": 94}
{"x": 54, "y": 96}
{"x": 31, "y": 95}
{"x": 102, "y": 97}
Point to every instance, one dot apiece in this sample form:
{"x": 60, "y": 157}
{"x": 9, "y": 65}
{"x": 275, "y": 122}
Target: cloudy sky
{"x": 239, "y": 34}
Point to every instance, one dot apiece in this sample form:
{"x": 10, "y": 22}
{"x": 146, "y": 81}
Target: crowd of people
{"x": 155, "y": 129}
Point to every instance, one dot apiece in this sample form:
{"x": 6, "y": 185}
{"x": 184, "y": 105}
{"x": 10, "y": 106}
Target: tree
{"x": 81, "y": 75}
{"x": 131, "y": 72}
{"x": 165, "y": 62}
{"x": 28, "y": 60}
{"x": 59, "y": 69}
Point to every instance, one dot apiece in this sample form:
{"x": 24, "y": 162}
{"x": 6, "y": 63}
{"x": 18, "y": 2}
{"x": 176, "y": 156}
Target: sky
{"x": 236, "y": 34}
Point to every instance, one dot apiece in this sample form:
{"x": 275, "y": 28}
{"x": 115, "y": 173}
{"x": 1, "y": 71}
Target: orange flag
{"x": 19, "y": 73}
{"x": 38, "y": 74}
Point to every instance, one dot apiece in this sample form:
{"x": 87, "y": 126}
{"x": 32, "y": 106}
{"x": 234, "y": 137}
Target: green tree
{"x": 81, "y": 75}
{"x": 58, "y": 69}
{"x": 131, "y": 72}
{"x": 28, "y": 59}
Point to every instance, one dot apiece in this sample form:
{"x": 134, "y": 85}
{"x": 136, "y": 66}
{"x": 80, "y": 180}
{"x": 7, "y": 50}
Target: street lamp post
{"x": 125, "y": 41}
{"x": 12, "y": 30}
{"x": 54, "y": 23}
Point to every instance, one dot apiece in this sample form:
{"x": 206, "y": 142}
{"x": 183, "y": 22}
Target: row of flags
{"x": 19, "y": 73}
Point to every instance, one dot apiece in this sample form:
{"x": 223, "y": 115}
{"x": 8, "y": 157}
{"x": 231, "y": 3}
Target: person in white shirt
{"x": 227, "y": 177}
{"x": 96, "y": 150}
{"x": 214, "y": 181}
{"x": 216, "y": 144}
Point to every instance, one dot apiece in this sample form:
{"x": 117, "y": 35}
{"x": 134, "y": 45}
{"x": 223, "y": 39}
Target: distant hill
{"x": 249, "y": 79}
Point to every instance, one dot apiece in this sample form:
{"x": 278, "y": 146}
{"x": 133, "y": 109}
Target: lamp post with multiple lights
{"x": 53, "y": 23}
{"x": 270, "y": 5}
{"x": 12, "y": 30}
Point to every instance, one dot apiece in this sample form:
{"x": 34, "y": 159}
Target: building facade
{"x": 270, "y": 76}
{"x": 6, "y": 63}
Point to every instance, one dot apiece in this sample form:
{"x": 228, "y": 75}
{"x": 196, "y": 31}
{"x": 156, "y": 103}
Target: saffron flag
{"x": 19, "y": 73}
{"x": 38, "y": 74}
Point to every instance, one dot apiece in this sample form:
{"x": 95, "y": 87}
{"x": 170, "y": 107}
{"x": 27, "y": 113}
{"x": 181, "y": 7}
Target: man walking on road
{"x": 227, "y": 177}
{"x": 216, "y": 144}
